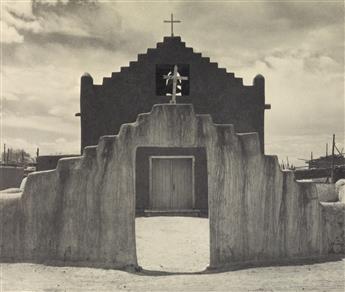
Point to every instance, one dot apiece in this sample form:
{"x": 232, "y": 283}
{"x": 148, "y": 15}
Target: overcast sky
{"x": 298, "y": 47}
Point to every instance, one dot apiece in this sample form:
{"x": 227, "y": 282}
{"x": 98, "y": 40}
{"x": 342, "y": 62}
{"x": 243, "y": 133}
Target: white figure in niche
{"x": 176, "y": 83}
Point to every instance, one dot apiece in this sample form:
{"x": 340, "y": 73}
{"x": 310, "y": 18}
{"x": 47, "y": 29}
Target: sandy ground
{"x": 174, "y": 253}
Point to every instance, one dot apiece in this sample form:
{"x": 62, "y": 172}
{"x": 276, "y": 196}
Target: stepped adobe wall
{"x": 83, "y": 213}
{"x": 212, "y": 90}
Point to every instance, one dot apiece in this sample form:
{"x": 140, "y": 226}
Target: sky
{"x": 298, "y": 46}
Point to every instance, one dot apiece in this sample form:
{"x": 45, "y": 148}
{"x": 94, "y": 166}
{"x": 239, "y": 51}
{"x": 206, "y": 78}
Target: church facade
{"x": 171, "y": 178}
{"x": 136, "y": 88}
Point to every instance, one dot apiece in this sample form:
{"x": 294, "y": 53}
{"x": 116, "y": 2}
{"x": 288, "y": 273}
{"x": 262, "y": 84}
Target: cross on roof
{"x": 172, "y": 21}
{"x": 174, "y": 78}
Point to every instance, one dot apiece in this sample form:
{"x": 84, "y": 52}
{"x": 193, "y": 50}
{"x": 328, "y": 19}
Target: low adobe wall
{"x": 327, "y": 192}
{"x": 333, "y": 227}
{"x": 83, "y": 213}
{"x": 10, "y": 177}
{"x": 340, "y": 189}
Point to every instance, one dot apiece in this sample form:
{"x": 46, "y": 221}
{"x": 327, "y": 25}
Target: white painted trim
{"x": 172, "y": 157}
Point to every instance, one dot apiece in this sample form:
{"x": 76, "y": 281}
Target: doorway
{"x": 171, "y": 183}
{"x": 174, "y": 183}
{"x": 187, "y": 181}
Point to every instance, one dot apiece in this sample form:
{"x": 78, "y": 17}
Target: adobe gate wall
{"x": 83, "y": 213}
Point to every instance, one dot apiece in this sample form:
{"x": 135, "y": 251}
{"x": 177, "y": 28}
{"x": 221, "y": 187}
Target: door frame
{"x": 192, "y": 157}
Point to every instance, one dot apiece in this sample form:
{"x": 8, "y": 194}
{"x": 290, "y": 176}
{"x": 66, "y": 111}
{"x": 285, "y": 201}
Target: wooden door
{"x": 171, "y": 183}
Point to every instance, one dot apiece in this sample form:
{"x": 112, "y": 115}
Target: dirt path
{"x": 172, "y": 251}
{"x": 179, "y": 244}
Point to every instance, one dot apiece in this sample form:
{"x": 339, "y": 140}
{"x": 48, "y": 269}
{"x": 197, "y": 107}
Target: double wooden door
{"x": 171, "y": 182}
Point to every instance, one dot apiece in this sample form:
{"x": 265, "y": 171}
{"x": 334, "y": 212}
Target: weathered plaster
{"x": 327, "y": 192}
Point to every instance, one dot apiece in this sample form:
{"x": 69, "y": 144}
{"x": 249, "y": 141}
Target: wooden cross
{"x": 172, "y": 21}
{"x": 174, "y": 78}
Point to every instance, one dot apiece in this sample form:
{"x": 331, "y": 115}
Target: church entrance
{"x": 171, "y": 183}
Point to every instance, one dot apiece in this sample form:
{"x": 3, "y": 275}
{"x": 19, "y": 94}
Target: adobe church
{"x": 165, "y": 135}
{"x": 136, "y": 88}
{"x": 170, "y": 178}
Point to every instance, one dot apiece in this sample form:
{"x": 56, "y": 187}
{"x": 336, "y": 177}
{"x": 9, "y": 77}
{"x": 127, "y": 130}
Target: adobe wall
{"x": 78, "y": 214}
{"x": 327, "y": 192}
{"x": 83, "y": 212}
{"x": 340, "y": 189}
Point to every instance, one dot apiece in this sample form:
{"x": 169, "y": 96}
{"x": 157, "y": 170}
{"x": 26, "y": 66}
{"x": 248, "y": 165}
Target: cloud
{"x": 19, "y": 9}
{"x": 9, "y": 34}
{"x": 249, "y": 31}
{"x": 43, "y": 123}
{"x": 306, "y": 93}
{"x": 19, "y": 15}
{"x": 42, "y": 17}
{"x": 53, "y": 2}
{"x": 302, "y": 15}
{"x": 16, "y": 16}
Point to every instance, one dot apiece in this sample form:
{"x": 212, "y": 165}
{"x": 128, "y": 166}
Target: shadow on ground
{"x": 236, "y": 267}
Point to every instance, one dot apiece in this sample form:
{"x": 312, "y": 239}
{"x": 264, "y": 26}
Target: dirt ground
{"x": 174, "y": 253}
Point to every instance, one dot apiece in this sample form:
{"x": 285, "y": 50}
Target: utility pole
{"x": 4, "y": 154}
{"x": 332, "y": 170}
